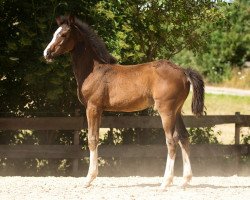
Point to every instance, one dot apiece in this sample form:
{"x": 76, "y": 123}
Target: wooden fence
{"x": 77, "y": 123}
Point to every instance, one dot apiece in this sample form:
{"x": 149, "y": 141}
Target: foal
{"x": 104, "y": 85}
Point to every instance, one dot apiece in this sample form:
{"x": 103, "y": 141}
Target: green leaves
{"x": 54, "y": 94}
{"x": 11, "y": 46}
{"x": 227, "y": 42}
{"x": 205, "y": 135}
{"x": 25, "y": 41}
{"x": 159, "y": 28}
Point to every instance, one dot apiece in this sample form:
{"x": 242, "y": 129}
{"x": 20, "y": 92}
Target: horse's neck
{"x": 82, "y": 63}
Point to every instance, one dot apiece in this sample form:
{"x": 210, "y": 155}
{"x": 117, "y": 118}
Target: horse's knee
{"x": 171, "y": 144}
{"x": 176, "y": 137}
{"x": 93, "y": 111}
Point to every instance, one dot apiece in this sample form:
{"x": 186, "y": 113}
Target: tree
{"x": 227, "y": 45}
{"x": 147, "y": 30}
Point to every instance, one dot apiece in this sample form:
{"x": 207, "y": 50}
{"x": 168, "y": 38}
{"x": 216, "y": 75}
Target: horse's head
{"x": 72, "y": 32}
{"x": 63, "y": 40}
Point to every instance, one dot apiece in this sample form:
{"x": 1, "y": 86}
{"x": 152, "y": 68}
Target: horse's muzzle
{"x": 48, "y": 55}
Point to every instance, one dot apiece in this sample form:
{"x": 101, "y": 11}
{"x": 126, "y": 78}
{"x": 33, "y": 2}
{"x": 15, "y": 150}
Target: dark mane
{"x": 96, "y": 43}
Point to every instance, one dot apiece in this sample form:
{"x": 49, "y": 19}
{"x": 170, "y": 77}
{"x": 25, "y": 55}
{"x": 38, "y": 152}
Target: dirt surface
{"x": 123, "y": 188}
{"x": 228, "y": 91}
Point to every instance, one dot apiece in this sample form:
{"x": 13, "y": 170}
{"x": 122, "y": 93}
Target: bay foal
{"x": 104, "y": 85}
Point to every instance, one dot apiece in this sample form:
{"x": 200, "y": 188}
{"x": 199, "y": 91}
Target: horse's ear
{"x": 59, "y": 20}
{"x": 71, "y": 19}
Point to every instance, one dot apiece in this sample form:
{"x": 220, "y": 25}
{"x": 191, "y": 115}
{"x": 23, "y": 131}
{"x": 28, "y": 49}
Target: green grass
{"x": 221, "y": 104}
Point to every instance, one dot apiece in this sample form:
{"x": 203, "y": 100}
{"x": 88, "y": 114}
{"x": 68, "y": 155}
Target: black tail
{"x": 198, "y": 91}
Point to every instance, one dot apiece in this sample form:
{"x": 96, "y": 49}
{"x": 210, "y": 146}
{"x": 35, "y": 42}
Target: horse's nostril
{"x": 45, "y": 53}
{"x": 48, "y": 52}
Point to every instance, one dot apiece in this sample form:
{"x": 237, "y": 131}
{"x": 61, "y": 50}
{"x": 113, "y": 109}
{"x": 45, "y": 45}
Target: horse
{"x": 105, "y": 85}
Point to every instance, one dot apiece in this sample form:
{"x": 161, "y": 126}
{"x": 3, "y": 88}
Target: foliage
{"x": 227, "y": 43}
{"x": 246, "y": 138}
{"x": 147, "y": 30}
{"x": 204, "y": 135}
{"x": 134, "y": 136}
{"x": 239, "y": 78}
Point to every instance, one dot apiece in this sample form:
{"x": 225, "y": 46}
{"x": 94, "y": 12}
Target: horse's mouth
{"x": 49, "y": 58}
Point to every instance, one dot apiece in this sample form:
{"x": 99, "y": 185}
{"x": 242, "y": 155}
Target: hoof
{"x": 166, "y": 184}
{"x": 89, "y": 180}
{"x": 87, "y": 184}
{"x": 184, "y": 186}
{"x": 187, "y": 179}
{"x": 162, "y": 189}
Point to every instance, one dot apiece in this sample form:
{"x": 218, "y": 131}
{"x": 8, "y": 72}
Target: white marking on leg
{"x": 93, "y": 167}
{"x": 169, "y": 172}
{"x": 93, "y": 161}
{"x": 45, "y": 52}
{"x": 187, "y": 171}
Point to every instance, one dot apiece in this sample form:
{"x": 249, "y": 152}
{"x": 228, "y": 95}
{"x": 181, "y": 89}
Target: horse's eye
{"x": 61, "y": 35}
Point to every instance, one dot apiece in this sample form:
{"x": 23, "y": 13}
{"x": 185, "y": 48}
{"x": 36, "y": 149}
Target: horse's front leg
{"x": 94, "y": 119}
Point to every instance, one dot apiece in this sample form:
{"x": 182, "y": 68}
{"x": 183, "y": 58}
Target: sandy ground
{"x": 123, "y": 188}
{"x": 229, "y": 91}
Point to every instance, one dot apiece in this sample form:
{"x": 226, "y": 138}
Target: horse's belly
{"x": 130, "y": 104}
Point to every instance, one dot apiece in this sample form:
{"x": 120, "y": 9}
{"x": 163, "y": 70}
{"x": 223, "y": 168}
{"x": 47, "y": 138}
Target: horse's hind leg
{"x": 94, "y": 119}
{"x": 168, "y": 122}
{"x": 182, "y": 134}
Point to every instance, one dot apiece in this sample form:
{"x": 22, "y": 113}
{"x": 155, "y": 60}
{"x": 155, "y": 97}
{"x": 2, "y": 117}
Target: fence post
{"x": 76, "y": 143}
{"x": 237, "y": 129}
{"x": 237, "y": 143}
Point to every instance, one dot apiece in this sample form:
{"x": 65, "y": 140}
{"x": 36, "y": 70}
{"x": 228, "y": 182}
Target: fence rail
{"x": 77, "y": 123}
{"x": 132, "y": 151}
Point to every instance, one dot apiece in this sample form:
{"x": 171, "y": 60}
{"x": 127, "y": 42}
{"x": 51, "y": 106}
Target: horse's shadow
{"x": 217, "y": 186}
{"x": 199, "y": 186}
{"x": 140, "y": 185}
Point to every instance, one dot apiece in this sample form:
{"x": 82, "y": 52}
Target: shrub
{"x": 204, "y": 135}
